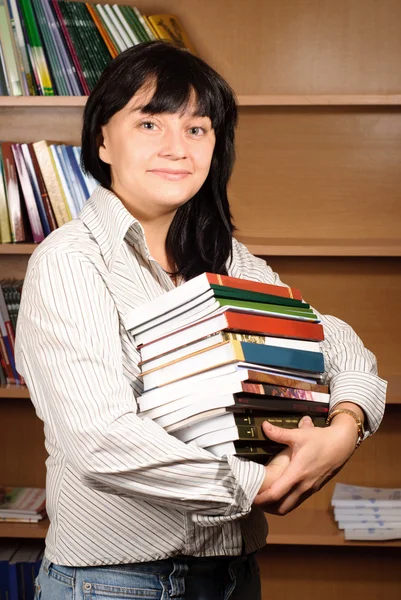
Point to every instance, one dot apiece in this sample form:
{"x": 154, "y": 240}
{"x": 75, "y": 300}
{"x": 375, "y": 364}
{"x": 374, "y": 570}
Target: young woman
{"x": 134, "y": 512}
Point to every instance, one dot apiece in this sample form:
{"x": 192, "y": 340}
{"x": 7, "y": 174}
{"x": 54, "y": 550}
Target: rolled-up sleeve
{"x": 350, "y": 368}
{"x": 69, "y": 351}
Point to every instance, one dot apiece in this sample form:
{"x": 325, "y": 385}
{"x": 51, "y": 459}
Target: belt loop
{"x": 46, "y": 564}
{"x": 177, "y": 578}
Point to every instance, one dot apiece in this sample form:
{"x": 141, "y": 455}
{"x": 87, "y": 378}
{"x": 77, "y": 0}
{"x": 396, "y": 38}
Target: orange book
{"x": 107, "y": 40}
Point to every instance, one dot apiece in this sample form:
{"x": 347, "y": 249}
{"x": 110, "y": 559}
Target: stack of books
{"x": 19, "y": 566}
{"x": 220, "y": 355}
{"x": 22, "y": 505}
{"x": 42, "y": 186}
{"x": 53, "y": 47}
{"x": 366, "y": 513}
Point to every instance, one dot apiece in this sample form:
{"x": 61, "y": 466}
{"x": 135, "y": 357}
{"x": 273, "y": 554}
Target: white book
{"x": 144, "y": 23}
{"x": 230, "y": 434}
{"x": 130, "y": 33}
{"x": 117, "y": 26}
{"x": 362, "y": 497}
{"x": 221, "y": 336}
{"x": 214, "y": 424}
{"x": 389, "y": 523}
{"x": 373, "y": 534}
{"x": 374, "y": 512}
{"x": 121, "y": 46}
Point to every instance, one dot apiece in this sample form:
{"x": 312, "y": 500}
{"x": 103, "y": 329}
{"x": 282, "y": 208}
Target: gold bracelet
{"x": 358, "y": 421}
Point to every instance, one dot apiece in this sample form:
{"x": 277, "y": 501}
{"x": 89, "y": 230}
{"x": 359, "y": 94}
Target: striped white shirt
{"x": 119, "y": 488}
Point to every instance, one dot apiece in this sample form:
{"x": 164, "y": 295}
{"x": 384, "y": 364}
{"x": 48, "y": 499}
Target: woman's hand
{"x": 314, "y": 455}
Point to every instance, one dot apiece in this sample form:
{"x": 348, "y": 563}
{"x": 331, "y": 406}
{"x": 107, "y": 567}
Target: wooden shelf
{"x": 243, "y": 100}
{"x": 287, "y": 247}
{"x": 321, "y": 247}
{"x": 24, "y": 530}
{"x": 312, "y": 527}
{"x": 299, "y": 528}
{"x": 14, "y": 391}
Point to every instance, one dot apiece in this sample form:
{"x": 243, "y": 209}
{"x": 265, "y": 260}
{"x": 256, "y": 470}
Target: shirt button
{"x": 87, "y": 586}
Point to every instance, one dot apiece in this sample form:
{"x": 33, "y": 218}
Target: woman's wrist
{"x": 348, "y": 417}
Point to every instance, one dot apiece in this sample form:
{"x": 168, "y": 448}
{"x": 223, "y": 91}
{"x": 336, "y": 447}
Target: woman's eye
{"x": 148, "y": 125}
{"x": 197, "y": 131}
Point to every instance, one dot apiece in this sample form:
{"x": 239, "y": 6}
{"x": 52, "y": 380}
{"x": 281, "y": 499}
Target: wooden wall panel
{"x": 318, "y": 173}
{"x": 295, "y": 47}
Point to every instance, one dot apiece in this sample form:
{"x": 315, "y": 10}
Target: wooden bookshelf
{"x": 316, "y": 193}
{"x": 301, "y": 527}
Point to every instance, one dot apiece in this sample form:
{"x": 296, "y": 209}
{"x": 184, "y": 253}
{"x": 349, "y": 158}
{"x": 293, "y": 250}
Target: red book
{"x": 29, "y": 196}
{"x": 42, "y": 188}
{"x": 71, "y": 48}
{"x": 13, "y": 194}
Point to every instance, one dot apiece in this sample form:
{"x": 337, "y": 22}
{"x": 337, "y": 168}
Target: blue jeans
{"x": 183, "y": 578}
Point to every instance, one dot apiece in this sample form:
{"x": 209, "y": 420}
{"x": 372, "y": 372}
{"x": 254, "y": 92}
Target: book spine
{"x": 29, "y": 198}
{"x": 35, "y": 189}
{"x": 19, "y": 50}
{"x": 281, "y": 405}
{"x": 42, "y": 189}
{"x": 143, "y": 21}
{"x": 283, "y": 392}
{"x": 104, "y": 15}
{"x": 53, "y": 148}
{"x": 71, "y": 49}
{"x": 300, "y": 360}
{"x": 8, "y": 50}
{"x": 267, "y": 325}
{"x": 135, "y": 25}
{"x": 102, "y": 30}
{"x": 132, "y": 37}
{"x": 13, "y": 196}
{"x": 254, "y": 286}
{"x": 37, "y": 51}
{"x": 5, "y": 229}
{"x": 251, "y": 296}
{"x": 54, "y": 190}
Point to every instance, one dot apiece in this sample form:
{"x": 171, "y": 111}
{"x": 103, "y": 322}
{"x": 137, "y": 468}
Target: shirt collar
{"x": 109, "y": 222}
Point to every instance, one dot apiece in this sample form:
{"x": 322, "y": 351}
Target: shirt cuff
{"x": 366, "y": 390}
{"x": 249, "y": 477}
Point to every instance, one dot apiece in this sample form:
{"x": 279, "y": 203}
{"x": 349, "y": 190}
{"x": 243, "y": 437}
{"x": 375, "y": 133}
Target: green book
{"x": 74, "y": 31}
{"x": 221, "y": 291}
{"x": 51, "y": 52}
{"x": 37, "y": 52}
{"x": 134, "y": 23}
{"x": 306, "y": 314}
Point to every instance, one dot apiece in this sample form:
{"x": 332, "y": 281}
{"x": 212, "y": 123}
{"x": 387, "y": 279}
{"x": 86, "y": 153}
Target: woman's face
{"x": 158, "y": 162}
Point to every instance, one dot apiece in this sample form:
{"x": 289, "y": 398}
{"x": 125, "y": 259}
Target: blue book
{"x": 7, "y": 550}
{"x": 77, "y": 170}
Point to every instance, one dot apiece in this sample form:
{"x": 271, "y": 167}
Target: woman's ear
{"x": 103, "y": 147}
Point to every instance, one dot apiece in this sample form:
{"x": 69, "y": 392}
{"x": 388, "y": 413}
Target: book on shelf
{"x": 22, "y": 503}
{"x": 367, "y": 513}
{"x": 19, "y": 566}
{"x": 42, "y": 187}
{"x": 53, "y": 47}
{"x": 209, "y": 384}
